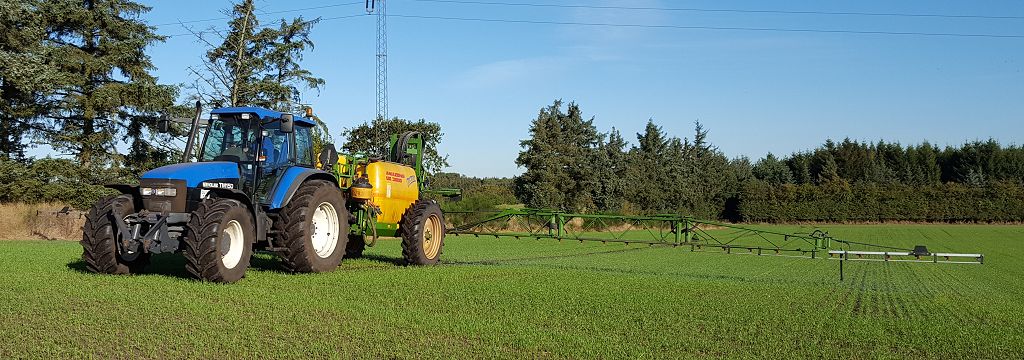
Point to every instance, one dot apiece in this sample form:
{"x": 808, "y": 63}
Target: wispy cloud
{"x": 603, "y": 43}
{"x": 511, "y": 72}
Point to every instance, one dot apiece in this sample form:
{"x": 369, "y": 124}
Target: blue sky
{"x": 757, "y": 91}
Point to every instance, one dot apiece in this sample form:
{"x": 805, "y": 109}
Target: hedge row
{"x": 951, "y": 202}
{"x": 50, "y": 181}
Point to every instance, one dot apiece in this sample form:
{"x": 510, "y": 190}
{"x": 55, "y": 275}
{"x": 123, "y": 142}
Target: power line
{"x": 759, "y": 11}
{"x": 859, "y": 32}
{"x": 264, "y": 26}
{"x": 265, "y": 13}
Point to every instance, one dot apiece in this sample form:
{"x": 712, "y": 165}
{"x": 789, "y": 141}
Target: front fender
{"x": 289, "y": 182}
{"x": 126, "y": 189}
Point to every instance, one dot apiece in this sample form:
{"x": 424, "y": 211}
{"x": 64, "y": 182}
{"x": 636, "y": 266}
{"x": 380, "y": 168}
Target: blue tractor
{"x": 256, "y": 182}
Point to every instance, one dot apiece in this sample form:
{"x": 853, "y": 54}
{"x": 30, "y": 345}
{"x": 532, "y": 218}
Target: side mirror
{"x": 163, "y": 124}
{"x": 287, "y": 123}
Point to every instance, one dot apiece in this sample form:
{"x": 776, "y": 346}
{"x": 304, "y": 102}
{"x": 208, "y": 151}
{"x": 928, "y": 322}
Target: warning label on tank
{"x": 394, "y": 177}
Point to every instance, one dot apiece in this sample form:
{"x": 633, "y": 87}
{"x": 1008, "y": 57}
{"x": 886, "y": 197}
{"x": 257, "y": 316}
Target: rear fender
{"x": 290, "y": 181}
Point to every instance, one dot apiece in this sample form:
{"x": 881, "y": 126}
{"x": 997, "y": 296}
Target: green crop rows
{"x": 510, "y": 298}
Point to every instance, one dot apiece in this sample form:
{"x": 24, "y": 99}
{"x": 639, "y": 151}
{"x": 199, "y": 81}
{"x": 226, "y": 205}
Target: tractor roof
{"x": 261, "y": 112}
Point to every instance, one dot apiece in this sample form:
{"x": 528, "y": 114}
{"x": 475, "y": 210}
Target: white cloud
{"x": 603, "y": 43}
{"x": 510, "y": 72}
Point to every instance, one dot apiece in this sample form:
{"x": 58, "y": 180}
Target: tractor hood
{"x": 195, "y": 173}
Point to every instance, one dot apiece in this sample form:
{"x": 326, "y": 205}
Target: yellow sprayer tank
{"x": 395, "y": 188}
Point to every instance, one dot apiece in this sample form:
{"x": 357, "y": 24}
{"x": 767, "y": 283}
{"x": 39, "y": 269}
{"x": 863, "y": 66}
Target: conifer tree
{"x": 24, "y": 75}
{"x": 255, "y": 65}
{"x": 105, "y": 91}
{"x": 558, "y": 161}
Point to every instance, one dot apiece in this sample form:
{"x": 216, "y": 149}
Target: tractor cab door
{"x": 230, "y": 138}
{"x": 278, "y": 152}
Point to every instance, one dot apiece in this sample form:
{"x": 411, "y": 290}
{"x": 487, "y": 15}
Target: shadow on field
{"x": 384, "y": 259}
{"x": 173, "y": 265}
{"x": 160, "y": 264}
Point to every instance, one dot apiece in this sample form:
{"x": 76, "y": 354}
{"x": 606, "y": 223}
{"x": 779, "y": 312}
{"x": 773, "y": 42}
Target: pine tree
{"x": 610, "y": 170}
{"x": 647, "y": 169}
{"x": 280, "y": 88}
{"x": 106, "y": 92}
{"x": 24, "y": 75}
{"x": 772, "y": 170}
{"x": 256, "y": 65}
{"x": 558, "y": 158}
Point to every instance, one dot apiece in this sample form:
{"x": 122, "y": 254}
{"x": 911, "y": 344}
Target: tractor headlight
{"x": 169, "y": 192}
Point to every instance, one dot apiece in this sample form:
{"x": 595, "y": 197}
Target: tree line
{"x": 570, "y": 165}
{"x": 76, "y": 76}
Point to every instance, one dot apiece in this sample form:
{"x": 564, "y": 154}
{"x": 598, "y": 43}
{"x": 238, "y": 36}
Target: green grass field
{"x": 507, "y": 298}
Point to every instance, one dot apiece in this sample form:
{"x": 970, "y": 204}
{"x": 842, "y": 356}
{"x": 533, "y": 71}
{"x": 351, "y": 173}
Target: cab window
{"x": 303, "y": 146}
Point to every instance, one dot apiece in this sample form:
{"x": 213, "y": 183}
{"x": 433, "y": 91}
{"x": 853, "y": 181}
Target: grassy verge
{"x": 507, "y": 298}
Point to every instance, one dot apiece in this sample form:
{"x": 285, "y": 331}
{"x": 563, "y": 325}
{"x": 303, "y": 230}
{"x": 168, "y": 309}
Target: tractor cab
{"x": 263, "y": 144}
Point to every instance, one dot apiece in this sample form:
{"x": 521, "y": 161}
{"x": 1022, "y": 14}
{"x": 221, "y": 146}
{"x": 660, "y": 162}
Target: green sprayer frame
{"x": 662, "y": 229}
{"x": 677, "y": 230}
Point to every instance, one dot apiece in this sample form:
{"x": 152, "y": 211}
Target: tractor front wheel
{"x": 100, "y": 236}
{"x": 218, "y": 241}
{"x": 422, "y": 231}
{"x": 314, "y": 228}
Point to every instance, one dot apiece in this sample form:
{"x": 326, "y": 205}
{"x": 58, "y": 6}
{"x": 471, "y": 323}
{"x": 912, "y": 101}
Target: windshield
{"x": 230, "y": 139}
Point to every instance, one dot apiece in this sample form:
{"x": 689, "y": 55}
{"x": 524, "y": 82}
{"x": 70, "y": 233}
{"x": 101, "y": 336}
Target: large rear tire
{"x": 218, "y": 241}
{"x": 422, "y": 231}
{"x": 100, "y": 236}
{"x": 314, "y": 228}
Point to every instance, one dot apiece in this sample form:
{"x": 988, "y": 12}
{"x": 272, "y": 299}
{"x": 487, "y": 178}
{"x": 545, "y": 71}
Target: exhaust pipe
{"x": 187, "y": 155}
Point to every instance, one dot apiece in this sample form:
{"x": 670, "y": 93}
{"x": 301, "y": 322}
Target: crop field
{"x": 508, "y": 298}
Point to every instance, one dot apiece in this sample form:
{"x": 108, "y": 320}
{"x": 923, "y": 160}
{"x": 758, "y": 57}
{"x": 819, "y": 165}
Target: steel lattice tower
{"x": 380, "y": 8}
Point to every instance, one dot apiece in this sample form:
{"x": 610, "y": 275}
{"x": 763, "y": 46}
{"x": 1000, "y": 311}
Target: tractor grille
{"x": 154, "y": 203}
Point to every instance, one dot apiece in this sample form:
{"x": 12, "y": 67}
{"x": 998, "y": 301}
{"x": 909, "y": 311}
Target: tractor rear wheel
{"x": 422, "y": 231}
{"x": 355, "y": 247}
{"x": 100, "y": 236}
{"x": 314, "y": 228}
{"x": 218, "y": 241}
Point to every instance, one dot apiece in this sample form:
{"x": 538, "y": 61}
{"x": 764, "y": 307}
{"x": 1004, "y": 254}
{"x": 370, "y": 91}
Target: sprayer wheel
{"x": 422, "y": 231}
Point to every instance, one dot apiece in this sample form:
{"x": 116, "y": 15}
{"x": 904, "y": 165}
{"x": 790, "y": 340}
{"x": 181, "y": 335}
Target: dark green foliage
{"x": 772, "y": 170}
{"x": 24, "y": 74}
{"x": 373, "y": 138}
{"x": 999, "y": 201}
{"x": 610, "y": 172}
{"x": 75, "y": 75}
{"x": 104, "y": 94}
{"x": 478, "y": 194}
{"x": 52, "y": 180}
{"x": 570, "y": 166}
{"x": 559, "y": 159}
